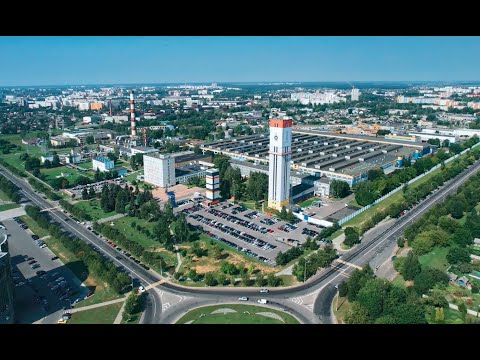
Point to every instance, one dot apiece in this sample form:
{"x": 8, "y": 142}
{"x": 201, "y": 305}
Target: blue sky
{"x": 91, "y": 60}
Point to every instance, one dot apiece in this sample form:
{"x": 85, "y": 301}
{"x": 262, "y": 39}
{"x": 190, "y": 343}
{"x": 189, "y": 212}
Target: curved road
{"x": 322, "y": 283}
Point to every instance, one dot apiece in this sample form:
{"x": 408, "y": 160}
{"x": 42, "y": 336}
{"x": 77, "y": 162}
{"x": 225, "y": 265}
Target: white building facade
{"x": 159, "y": 169}
{"x": 280, "y": 154}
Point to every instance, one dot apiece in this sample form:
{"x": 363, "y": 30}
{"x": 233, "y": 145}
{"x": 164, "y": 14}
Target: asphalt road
{"x": 359, "y": 255}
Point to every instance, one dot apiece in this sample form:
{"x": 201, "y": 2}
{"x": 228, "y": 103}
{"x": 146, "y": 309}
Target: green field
{"x": 133, "y": 176}
{"x": 4, "y": 196}
{"x": 244, "y": 314}
{"x": 399, "y": 281}
{"x": 102, "y": 315}
{"x": 124, "y": 225}
{"x": 52, "y": 173}
{"x": 8, "y": 206}
{"x": 85, "y": 165}
{"x": 33, "y": 226}
{"x": 435, "y": 258}
{"x": 308, "y": 202}
{"x": 92, "y": 207}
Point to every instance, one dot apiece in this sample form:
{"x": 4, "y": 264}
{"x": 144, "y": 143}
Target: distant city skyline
{"x": 42, "y": 61}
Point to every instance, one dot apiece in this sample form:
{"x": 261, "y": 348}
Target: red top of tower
{"x": 281, "y": 123}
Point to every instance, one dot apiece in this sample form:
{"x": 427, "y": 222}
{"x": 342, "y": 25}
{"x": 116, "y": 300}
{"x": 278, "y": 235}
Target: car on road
{"x": 35, "y": 237}
{"x": 118, "y": 258}
{"x": 62, "y": 321}
{"x": 141, "y": 289}
{"x": 54, "y": 258}
{"x": 262, "y": 301}
{"x": 264, "y": 290}
{"x": 243, "y": 298}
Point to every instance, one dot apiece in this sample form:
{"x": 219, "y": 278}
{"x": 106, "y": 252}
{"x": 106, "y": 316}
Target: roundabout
{"x": 236, "y": 314}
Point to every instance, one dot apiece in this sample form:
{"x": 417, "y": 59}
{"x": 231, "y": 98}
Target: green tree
{"x": 339, "y": 188}
{"x": 85, "y": 195}
{"x": 428, "y": 278}
{"x": 463, "y": 310}
{"x": 181, "y": 229}
{"x": 409, "y": 314}
{"x": 357, "y": 280}
{"x": 371, "y": 296}
{"x": 47, "y": 164}
{"x": 55, "y": 161}
{"x": 462, "y": 237}
{"x": 352, "y": 236}
{"x": 456, "y": 209}
{"x": 90, "y": 139}
{"x": 411, "y": 267}
{"x": 222, "y": 279}
{"x": 357, "y": 315}
{"x": 458, "y": 255}
{"x": 365, "y": 193}
{"x": 343, "y": 289}
{"x": 210, "y": 279}
{"x": 132, "y": 304}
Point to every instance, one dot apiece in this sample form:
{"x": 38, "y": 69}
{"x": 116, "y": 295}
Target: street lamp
{"x": 305, "y": 271}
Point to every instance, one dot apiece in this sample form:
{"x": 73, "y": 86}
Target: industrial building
{"x": 159, "y": 169}
{"x": 7, "y": 294}
{"x": 102, "y": 164}
{"x": 280, "y": 155}
{"x": 335, "y": 156}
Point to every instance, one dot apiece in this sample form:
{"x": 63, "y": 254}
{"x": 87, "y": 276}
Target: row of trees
{"x": 37, "y": 185}
{"x": 255, "y": 187}
{"x": 283, "y": 258}
{"x": 379, "y": 184}
{"x": 308, "y": 266}
{"x": 10, "y": 189}
{"x": 94, "y": 262}
{"x": 6, "y": 147}
{"x": 414, "y": 194}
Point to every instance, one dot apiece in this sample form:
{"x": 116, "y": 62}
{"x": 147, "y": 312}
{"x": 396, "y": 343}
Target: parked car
{"x": 264, "y": 290}
{"x": 262, "y": 301}
{"x": 54, "y": 258}
{"x": 243, "y": 298}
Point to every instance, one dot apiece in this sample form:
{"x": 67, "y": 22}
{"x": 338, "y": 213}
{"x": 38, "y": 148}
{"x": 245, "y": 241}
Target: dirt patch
{"x": 237, "y": 259}
{"x": 408, "y": 283}
{"x": 202, "y": 269}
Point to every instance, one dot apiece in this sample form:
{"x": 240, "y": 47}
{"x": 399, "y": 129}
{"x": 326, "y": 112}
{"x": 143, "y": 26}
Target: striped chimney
{"x": 132, "y": 116}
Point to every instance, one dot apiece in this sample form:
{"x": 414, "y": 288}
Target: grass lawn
{"x": 8, "y": 206}
{"x": 435, "y": 258}
{"x": 52, "y": 173}
{"x": 101, "y": 315}
{"x": 4, "y": 196}
{"x": 33, "y": 226}
{"x": 125, "y": 226}
{"x": 334, "y": 235}
{"x": 85, "y": 165}
{"x": 92, "y": 207}
{"x": 244, "y": 314}
{"x": 133, "y": 176}
{"x": 343, "y": 308}
{"x": 308, "y": 202}
{"x": 249, "y": 204}
{"x": 397, "y": 197}
{"x": 288, "y": 280}
{"x": 462, "y": 220}
{"x": 399, "y": 281}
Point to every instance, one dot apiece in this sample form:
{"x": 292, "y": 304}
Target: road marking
{"x": 165, "y": 306}
{"x": 50, "y": 209}
{"x": 349, "y": 264}
{"x": 155, "y": 284}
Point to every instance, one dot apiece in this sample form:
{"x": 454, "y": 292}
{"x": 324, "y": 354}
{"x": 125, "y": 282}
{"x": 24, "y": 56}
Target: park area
{"x": 236, "y": 314}
{"x": 92, "y": 207}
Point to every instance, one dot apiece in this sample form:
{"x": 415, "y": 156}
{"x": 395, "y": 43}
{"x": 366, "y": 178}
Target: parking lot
{"x": 43, "y": 284}
{"x": 248, "y": 230}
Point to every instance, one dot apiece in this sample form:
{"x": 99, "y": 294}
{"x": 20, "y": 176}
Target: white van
{"x": 262, "y": 301}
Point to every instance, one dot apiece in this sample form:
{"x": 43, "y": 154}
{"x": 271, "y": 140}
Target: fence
{"x": 359, "y": 211}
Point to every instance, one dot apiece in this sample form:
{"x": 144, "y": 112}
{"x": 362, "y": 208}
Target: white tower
{"x": 279, "y": 163}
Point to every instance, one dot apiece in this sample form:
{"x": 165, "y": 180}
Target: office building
{"x": 355, "y": 94}
{"x": 159, "y": 169}
{"x": 102, "y": 164}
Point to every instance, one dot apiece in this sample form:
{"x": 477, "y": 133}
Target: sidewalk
{"x": 94, "y": 306}
{"x": 111, "y": 218}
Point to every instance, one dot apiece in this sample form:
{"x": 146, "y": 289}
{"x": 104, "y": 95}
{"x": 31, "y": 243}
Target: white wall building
{"x": 355, "y": 94}
{"x": 279, "y": 162}
{"x": 159, "y": 169}
{"x": 102, "y": 164}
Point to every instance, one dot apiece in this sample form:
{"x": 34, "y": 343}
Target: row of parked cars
{"x": 308, "y": 232}
{"x": 234, "y": 233}
{"x": 236, "y": 220}
{"x": 235, "y": 246}
{"x": 288, "y": 227}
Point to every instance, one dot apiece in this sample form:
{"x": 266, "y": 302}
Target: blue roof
{"x": 103, "y": 159}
